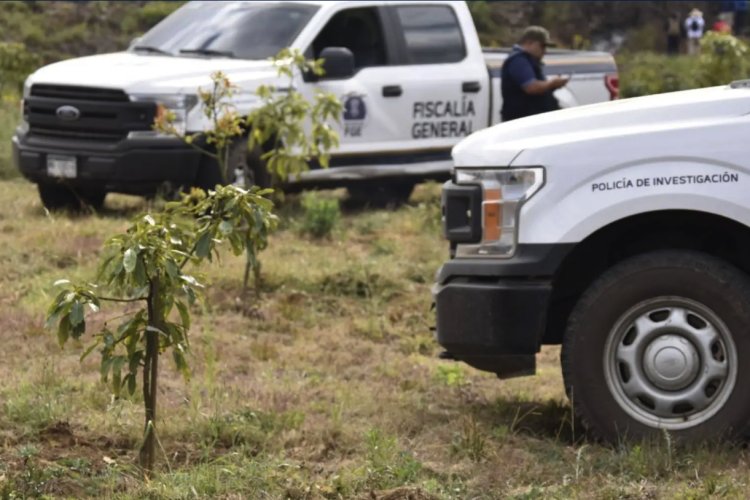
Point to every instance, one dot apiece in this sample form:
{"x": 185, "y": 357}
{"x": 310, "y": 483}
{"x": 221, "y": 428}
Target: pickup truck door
{"x": 366, "y": 126}
{"x": 445, "y": 87}
{"x": 415, "y": 92}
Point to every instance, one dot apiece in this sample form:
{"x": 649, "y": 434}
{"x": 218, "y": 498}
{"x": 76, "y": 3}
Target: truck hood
{"x": 537, "y": 138}
{"x": 147, "y": 73}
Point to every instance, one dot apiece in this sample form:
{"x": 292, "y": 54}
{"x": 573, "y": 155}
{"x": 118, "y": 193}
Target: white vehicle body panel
{"x": 605, "y": 162}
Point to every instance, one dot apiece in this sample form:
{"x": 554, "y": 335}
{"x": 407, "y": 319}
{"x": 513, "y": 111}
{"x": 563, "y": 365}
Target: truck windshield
{"x": 246, "y": 30}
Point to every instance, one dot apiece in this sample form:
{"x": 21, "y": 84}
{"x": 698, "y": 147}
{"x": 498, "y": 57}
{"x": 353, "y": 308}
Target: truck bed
{"x": 587, "y": 70}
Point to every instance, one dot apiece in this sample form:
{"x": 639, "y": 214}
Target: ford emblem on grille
{"x": 68, "y": 113}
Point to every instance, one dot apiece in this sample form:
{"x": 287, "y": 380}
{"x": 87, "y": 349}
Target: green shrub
{"x": 320, "y": 215}
{"x": 646, "y": 73}
{"x": 723, "y": 58}
{"x": 9, "y": 118}
{"x": 16, "y": 62}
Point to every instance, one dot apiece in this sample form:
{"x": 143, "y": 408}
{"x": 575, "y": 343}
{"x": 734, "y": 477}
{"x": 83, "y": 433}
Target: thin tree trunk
{"x": 150, "y": 376}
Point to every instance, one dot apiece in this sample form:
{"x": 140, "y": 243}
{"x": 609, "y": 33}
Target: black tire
{"x": 239, "y": 159}
{"x": 62, "y": 197}
{"x": 380, "y": 194}
{"x": 654, "y": 329}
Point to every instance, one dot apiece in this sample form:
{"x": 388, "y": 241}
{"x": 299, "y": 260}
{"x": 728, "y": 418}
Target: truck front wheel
{"x": 661, "y": 341}
{"x": 62, "y": 197}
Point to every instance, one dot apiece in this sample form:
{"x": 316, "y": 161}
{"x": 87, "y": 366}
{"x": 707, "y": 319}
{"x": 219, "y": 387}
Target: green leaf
{"x": 76, "y": 314}
{"x": 184, "y": 314}
{"x": 173, "y": 270}
{"x": 139, "y": 275}
{"x": 129, "y": 260}
{"x": 131, "y": 383}
{"x": 203, "y": 245}
{"x": 179, "y": 361}
{"x": 154, "y": 329}
{"x": 63, "y": 330}
{"x": 190, "y": 280}
{"x": 105, "y": 366}
{"x": 117, "y": 363}
{"x": 88, "y": 351}
{"x": 226, "y": 227}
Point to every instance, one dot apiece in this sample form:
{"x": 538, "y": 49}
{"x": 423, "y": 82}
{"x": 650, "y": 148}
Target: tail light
{"x": 612, "y": 82}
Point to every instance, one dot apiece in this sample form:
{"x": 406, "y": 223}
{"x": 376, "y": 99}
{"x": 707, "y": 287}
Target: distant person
{"x": 694, "y": 26}
{"x": 674, "y": 33}
{"x": 526, "y": 90}
{"x": 722, "y": 26}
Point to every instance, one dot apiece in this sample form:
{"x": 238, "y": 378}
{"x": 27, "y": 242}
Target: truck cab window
{"x": 360, "y": 31}
{"x": 432, "y": 34}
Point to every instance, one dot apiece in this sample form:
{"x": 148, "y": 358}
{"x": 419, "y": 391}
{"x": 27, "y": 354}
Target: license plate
{"x": 62, "y": 166}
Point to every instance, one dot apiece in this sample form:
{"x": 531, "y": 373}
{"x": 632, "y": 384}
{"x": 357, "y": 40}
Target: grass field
{"x": 327, "y": 386}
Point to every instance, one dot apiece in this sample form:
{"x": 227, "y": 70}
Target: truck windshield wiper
{"x": 148, "y": 48}
{"x": 208, "y": 52}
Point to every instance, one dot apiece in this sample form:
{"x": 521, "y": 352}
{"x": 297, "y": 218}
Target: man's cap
{"x": 696, "y": 13}
{"x": 537, "y": 34}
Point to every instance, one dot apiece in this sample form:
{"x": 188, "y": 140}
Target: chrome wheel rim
{"x": 670, "y": 363}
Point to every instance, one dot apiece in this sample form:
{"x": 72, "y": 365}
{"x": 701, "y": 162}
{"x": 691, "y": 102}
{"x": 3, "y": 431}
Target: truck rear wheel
{"x": 655, "y": 344}
{"x": 62, "y": 197}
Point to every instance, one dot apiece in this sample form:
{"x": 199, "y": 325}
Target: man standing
{"x": 674, "y": 32}
{"x": 525, "y": 89}
{"x": 694, "y": 25}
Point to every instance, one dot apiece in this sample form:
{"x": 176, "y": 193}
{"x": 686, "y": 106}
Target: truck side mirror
{"x": 338, "y": 63}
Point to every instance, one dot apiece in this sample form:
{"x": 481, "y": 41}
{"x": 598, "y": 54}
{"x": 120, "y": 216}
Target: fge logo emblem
{"x": 355, "y": 112}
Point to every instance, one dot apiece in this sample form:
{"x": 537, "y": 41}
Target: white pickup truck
{"x": 621, "y": 231}
{"x": 412, "y": 76}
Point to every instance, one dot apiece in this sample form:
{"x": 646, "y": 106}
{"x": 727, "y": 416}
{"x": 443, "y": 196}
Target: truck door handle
{"x": 471, "y": 87}
{"x": 392, "y": 91}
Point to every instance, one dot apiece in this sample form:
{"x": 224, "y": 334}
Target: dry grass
{"x": 327, "y": 386}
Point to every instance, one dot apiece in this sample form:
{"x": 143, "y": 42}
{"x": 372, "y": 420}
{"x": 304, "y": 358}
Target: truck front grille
{"x": 85, "y": 113}
{"x": 78, "y": 93}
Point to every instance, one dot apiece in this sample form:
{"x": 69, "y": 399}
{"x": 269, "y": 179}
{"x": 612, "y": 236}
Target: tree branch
{"x": 114, "y": 299}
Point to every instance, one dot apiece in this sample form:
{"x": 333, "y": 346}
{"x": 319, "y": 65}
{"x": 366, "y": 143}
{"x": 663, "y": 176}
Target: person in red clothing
{"x": 722, "y": 26}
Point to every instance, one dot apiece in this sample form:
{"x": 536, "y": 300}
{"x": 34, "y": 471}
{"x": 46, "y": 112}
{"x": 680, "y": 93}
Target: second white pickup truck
{"x": 621, "y": 231}
{"x": 412, "y": 76}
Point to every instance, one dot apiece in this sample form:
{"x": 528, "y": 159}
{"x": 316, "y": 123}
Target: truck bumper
{"x": 492, "y": 314}
{"x": 137, "y": 166}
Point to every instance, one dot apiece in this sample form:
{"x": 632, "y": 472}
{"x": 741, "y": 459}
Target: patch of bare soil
{"x": 401, "y": 494}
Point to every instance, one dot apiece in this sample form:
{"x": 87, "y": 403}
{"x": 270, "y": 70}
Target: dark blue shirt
{"x": 521, "y": 71}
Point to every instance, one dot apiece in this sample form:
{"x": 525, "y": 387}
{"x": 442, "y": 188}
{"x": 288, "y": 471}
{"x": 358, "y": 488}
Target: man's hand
{"x": 558, "y": 82}
{"x": 538, "y": 87}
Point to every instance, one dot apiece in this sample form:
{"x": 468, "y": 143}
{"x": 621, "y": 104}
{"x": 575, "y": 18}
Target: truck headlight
{"x": 23, "y": 128}
{"x": 178, "y": 105}
{"x": 504, "y": 191}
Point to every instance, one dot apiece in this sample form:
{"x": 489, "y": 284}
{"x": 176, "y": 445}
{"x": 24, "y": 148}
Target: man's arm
{"x": 523, "y": 74}
{"x": 537, "y": 87}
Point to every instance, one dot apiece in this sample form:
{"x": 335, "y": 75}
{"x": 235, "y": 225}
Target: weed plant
{"x": 321, "y": 214}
